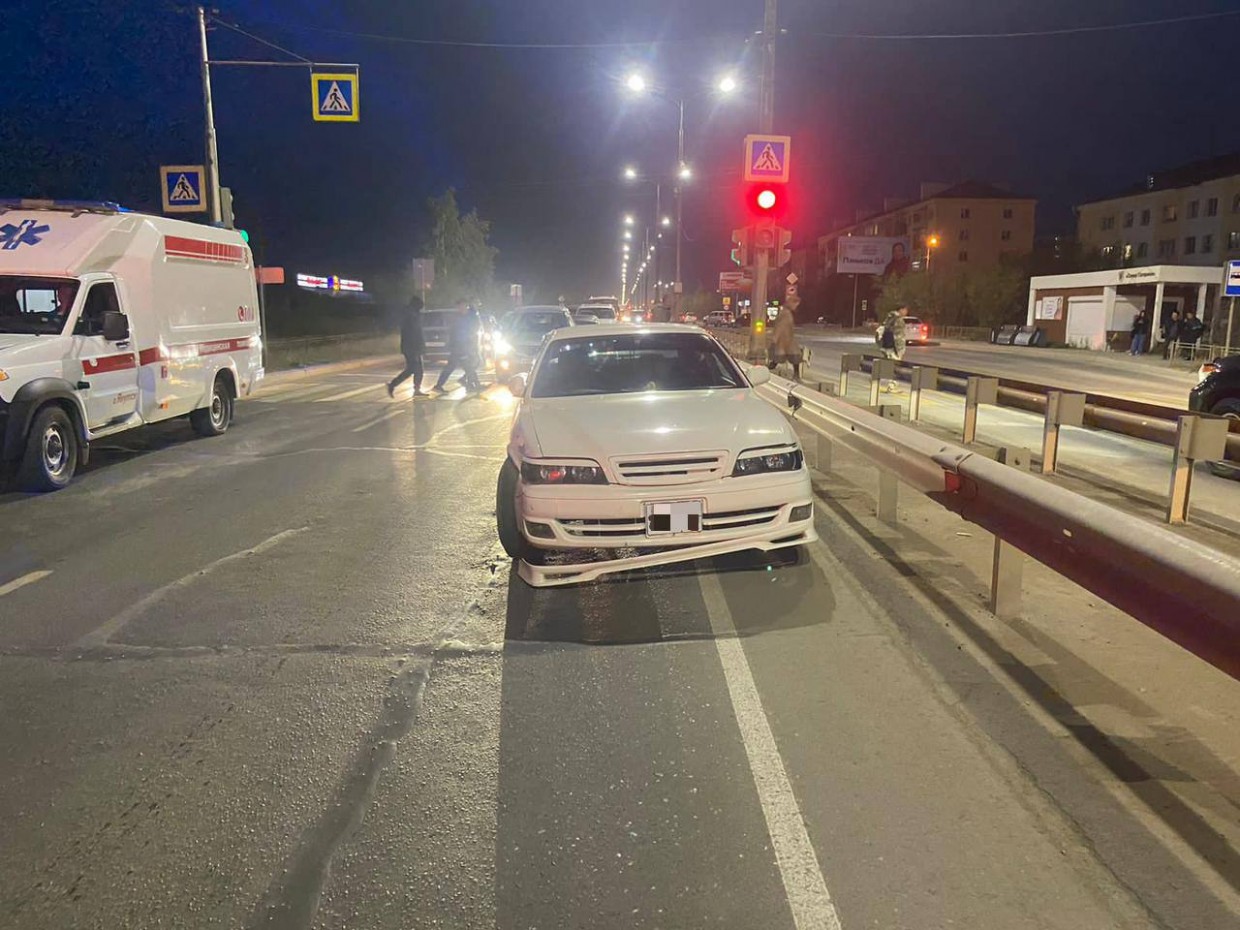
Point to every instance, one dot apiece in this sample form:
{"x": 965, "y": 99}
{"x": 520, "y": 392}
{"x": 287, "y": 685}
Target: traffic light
{"x": 783, "y": 253}
{"x": 764, "y": 236}
{"x": 740, "y": 246}
{"x": 767, "y": 201}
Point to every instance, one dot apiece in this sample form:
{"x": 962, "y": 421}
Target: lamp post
{"x": 932, "y": 242}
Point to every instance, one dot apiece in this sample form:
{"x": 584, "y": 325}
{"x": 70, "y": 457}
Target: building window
{"x": 1127, "y": 251}
{"x": 1207, "y": 244}
{"x": 1143, "y": 250}
{"x": 1145, "y": 217}
{"x": 1128, "y": 220}
{"x": 964, "y": 213}
{"x": 1212, "y": 207}
{"x": 1190, "y": 245}
{"x": 1194, "y": 208}
{"x": 1108, "y": 222}
{"x": 1170, "y": 213}
{"x": 1233, "y": 241}
{"x": 1007, "y": 213}
{"x": 964, "y": 235}
{"x": 1235, "y": 204}
{"x": 1108, "y": 251}
{"x": 1166, "y": 248}
{"x": 964, "y": 256}
{"x": 1006, "y": 235}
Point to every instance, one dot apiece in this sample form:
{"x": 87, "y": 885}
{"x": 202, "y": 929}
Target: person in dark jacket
{"x": 1191, "y": 331}
{"x": 1171, "y": 333}
{"x": 1140, "y": 333}
{"x": 412, "y": 345}
{"x": 462, "y": 348}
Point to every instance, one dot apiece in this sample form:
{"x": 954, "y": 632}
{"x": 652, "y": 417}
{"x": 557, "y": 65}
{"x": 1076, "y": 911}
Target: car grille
{"x": 636, "y": 526}
{"x": 686, "y": 468}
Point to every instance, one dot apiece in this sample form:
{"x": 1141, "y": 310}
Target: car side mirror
{"x": 758, "y": 374}
{"x": 516, "y": 386}
{"x": 115, "y": 326}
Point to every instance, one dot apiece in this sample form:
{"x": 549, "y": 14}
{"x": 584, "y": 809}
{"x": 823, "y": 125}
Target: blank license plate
{"x": 668, "y": 518}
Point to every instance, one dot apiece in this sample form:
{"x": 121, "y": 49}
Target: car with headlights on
{"x": 648, "y": 438}
{"x": 1217, "y": 392}
{"x": 520, "y": 335}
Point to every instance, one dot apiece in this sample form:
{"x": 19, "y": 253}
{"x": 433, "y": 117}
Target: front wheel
{"x": 215, "y": 418}
{"x": 51, "y": 453}
{"x": 507, "y": 521}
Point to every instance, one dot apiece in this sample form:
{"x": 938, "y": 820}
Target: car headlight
{"x": 501, "y": 345}
{"x": 762, "y": 461}
{"x": 538, "y": 473}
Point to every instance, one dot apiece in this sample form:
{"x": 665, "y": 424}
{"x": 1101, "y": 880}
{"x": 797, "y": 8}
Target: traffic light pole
{"x": 213, "y": 155}
{"x": 766, "y": 122}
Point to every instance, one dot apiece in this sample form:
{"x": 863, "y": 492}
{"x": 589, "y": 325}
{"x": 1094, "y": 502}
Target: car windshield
{"x": 436, "y": 319}
{"x": 37, "y": 306}
{"x": 534, "y": 324}
{"x": 625, "y": 364}
{"x": 602, "y": 312}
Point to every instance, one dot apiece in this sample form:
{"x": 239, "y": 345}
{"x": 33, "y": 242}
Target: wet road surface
{"x": 285, "y": 678}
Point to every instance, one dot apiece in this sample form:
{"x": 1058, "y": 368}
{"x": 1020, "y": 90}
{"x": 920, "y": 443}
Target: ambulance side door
{"x": 104, "y": 349}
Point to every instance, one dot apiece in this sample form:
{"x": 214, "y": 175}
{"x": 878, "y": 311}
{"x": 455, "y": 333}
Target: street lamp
{"x": 630, "y": 173}
{"x": 727, "y": 84}
{"x": 636, "y": 83}
{"x": 685, "y": 173}
{"x": 665, "y": 222}
{"x": 932, "y": 242}
{"x": 627, "y": 234}
{"x": 628, "y": 220}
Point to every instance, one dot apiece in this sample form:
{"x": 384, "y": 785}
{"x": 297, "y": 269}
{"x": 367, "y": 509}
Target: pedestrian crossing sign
{"x": 335, "y": 97}
{"x": 766, "y": 158}
{"x": 182, "y": 187}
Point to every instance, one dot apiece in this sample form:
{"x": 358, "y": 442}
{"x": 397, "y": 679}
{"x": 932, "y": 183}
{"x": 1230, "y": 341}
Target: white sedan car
{"x": 646, "y": 438}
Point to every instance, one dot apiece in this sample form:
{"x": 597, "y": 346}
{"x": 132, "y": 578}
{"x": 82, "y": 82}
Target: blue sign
{"x": 766, "y": 158}
{"x": 1231, "y": 283}
{"x": 183, "y": 188}
{"x": 335, "y": 97}
{"x": 27, "y": 232}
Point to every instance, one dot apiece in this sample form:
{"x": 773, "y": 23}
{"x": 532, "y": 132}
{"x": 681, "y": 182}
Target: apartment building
{"x": 1189, "y": 215}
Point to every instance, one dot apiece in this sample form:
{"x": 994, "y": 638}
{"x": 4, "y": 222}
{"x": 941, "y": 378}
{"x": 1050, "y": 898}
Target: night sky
{"x": 98, "y": 93}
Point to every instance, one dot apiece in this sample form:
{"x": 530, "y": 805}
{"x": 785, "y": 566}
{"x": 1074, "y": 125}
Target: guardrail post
{"x": 848, "y": 363}
{"x": 923, "y": 379}
{"x": 1061, "y": 410}
{"x": 1197, "y": 439}
{"x": 882, "y": 369}
{"x": 977, "y": 391}
{"x": 888, "y": 484}
{"x": 1007, "y": 568}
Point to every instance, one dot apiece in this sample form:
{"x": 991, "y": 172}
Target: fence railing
{"x": 1171, "y": 583}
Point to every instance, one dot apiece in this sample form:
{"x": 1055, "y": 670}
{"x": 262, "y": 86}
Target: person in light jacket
{"x": 784, "y": 345}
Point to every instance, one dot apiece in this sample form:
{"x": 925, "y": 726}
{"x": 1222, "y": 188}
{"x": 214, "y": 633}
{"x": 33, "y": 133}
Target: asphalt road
{"x": 1147, "y": 379}
{"x": 285, "y": 678}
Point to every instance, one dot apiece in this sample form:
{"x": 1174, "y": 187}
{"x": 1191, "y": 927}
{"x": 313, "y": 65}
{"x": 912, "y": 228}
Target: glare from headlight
{"x": 501, "y": 345}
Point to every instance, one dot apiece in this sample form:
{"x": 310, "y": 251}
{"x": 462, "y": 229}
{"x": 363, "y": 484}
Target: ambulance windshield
{"x": 36, "y": 306}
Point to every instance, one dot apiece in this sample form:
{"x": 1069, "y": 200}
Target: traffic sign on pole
{"x": 181, "y": 188}
{"x": 335, "y": 98}
{"x": 1231, "y": 283}
{"x": 767, "y": 157}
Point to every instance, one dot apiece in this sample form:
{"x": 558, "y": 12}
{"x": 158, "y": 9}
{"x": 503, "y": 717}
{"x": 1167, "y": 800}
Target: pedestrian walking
{"x": 462, "y": 348}
{"x": 412, "y": 345}
{"x": 784, "y": 345}
{"x": 1171, "y": 333}
{"x": 1140, "y": 333}
{"x": 893, "y": 340}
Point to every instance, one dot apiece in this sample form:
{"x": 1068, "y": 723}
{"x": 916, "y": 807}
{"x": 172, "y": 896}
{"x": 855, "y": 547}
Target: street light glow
{"x": 630, "y": 173}
{"x": 666, "y": 221}
{"x": 728, "y": 84}
{"x": 627, "y": 234}
{"x": 628, "y": 220}
{"x": 636, "y": 83}
{"x": 685, "y": 173}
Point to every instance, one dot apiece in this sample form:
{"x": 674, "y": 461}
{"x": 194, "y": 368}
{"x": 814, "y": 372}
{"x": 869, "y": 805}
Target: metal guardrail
{"x": 1175, "y": 585}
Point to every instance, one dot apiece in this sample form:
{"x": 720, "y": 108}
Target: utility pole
{"x": 677, "y": 287}
{"x": 213, "y": 155}
{"x": 766, "y": 123}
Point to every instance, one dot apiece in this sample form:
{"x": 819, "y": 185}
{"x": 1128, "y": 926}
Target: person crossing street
{"x": 462, "y": 349}
{"x": 412, "y": 345}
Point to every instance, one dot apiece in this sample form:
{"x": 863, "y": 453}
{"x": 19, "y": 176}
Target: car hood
{"x": 11, "y": 344}
{"x": 598, "y": 427}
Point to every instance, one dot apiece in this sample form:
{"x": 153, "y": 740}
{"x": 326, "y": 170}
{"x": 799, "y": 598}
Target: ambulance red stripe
{"x": 100, "y": 366}
{"x": 196, "y": 350}
{"x": 181, "y": 247}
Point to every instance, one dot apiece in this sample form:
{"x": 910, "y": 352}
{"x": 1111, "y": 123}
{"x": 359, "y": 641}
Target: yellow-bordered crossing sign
{"x": 335, "y": 98}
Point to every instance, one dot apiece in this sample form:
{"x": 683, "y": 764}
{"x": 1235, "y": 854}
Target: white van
{"x": 110, "y": 320}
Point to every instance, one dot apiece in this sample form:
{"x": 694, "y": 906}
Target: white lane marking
{"x": 100, "y": 635}
{"x": 379, "y": 419}
{"x": 353, "y": 393}
{"x": 18, "y": 583}
{"x": 804, "y": 885}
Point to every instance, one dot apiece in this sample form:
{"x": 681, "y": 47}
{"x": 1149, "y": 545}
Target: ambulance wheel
{"x": 51, "y": 453}
{"x": 215, "y": 418}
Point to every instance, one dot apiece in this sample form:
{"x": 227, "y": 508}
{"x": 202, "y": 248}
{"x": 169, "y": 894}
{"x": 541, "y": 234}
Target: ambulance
{"x": 111, "y": 320}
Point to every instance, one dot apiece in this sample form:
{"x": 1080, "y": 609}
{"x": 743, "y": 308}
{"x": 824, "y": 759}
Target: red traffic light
{"x": 766, "y": 200}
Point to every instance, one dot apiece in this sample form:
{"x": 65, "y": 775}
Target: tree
{"x": 464, "y": 258}
{"x": 998, "y": 295}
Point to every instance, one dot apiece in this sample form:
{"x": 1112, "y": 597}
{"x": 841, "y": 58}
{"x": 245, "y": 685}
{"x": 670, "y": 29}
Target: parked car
{"x": 604, "y": 312}
{"x": 916, "y": 331}
{"x": 721, "y": 318}
{"x": 1218, "y": 393}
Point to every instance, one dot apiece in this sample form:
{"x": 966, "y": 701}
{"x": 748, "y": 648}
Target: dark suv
{"x": 1218, "y": 392}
